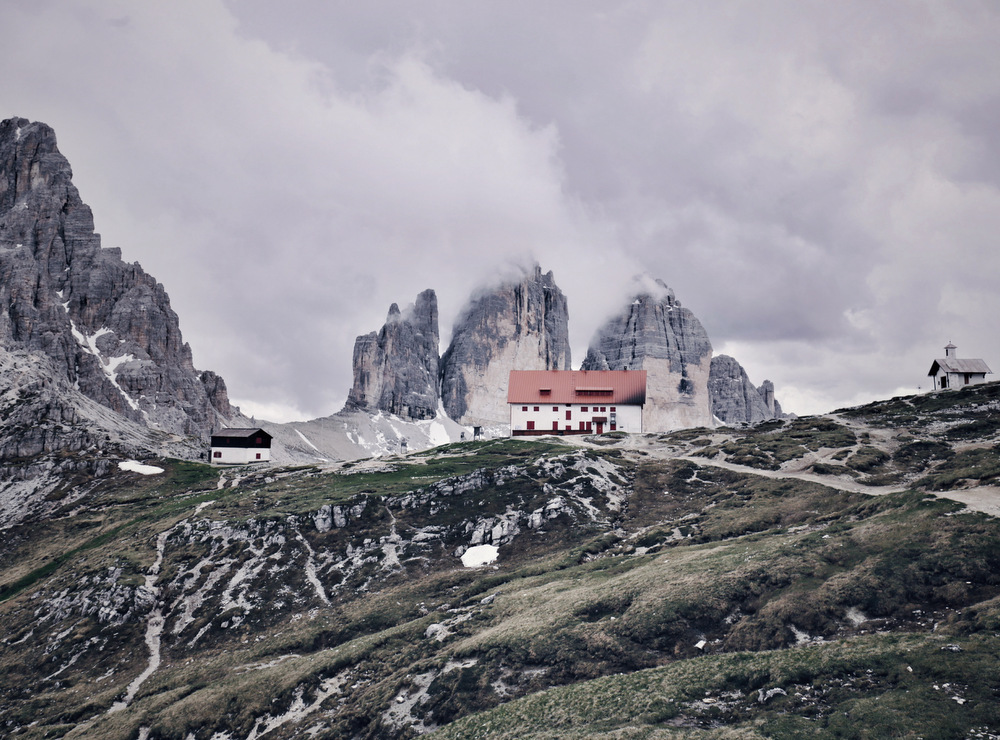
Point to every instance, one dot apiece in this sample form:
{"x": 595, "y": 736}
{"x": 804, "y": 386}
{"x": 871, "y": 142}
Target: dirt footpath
{"x": 983, "y": 498}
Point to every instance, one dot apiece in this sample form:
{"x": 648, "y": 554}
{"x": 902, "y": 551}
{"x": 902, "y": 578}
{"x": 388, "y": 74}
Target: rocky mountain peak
{"x": 654, "y": 332}
{"x": 105, "y": 323}
{"x": 519, "y": 325}
{"x": 396, "y": 370}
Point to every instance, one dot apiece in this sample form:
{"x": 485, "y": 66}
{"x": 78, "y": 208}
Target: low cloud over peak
{"x": 819, "y": 184}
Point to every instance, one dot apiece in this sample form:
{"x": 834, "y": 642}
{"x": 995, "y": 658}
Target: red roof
{"x": 577, "y": 386}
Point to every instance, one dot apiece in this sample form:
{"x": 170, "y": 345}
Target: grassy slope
{"x": 673, "y": 617}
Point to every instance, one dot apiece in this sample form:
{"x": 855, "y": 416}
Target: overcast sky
{"x": 818, "y": 181}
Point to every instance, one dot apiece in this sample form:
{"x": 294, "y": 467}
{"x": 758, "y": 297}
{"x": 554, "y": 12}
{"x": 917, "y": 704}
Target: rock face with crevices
{"x": 105, "y": 324}
{"x": 519, "y": 325}
{"x": 657, "y": 334}
{"x": 396, "y": 369}
{"x": 735, "y": 400}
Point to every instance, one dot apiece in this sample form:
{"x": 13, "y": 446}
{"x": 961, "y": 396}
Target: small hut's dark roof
{"x": 238, "y": 437}
{"x": 237, "y": 432}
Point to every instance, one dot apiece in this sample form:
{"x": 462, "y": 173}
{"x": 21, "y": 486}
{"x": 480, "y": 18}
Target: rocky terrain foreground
{"x": 827, "y": 576}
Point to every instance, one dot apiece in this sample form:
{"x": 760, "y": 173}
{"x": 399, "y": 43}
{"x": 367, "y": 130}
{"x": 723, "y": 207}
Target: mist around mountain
{"x": 827, "y": 576}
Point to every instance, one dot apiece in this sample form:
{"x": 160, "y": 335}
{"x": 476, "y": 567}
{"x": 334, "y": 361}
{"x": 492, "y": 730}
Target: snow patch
{"x": 306, "y": 440}
{"x": 479, "y": 555}
{"x": 311, "y": 574}
{"x": 437, "y": 435}
{"x": 111, "y": 365}
{"x": 137, "y": 467}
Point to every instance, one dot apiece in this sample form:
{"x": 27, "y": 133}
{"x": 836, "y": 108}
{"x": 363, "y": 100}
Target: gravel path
{"x": 985, "y": 499}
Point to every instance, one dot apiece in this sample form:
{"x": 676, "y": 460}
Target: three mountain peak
{"x": 523, "y": 324}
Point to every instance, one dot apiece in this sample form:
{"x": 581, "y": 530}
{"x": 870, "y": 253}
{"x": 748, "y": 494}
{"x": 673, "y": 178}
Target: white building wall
{"x": 239, "y": 455}
{"x": 628, "y": 418}
{"x": 957, "y": 380}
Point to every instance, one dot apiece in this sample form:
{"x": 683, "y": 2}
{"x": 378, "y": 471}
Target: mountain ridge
{"x": 106, "y": 325}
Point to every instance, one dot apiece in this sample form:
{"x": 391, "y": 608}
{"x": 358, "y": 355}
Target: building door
{"x": 600, "y": 427}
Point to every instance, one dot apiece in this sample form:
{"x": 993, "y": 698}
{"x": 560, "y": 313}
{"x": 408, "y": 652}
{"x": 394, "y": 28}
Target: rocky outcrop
{"x": 735, "y": 400}
{"x": 105, "y": 324}
{"x": 766, "y": 391}
{"x": 51, "y": 433}
{"x": 520, "y": 325}
{"x": 734, "y": 397}
{"x": 655, "y": 333}
{"x": 396, "y": 370}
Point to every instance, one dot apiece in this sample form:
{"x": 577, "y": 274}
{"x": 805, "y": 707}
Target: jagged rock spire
{"x": 519, "y": 325}
{"x": 396, "y": 369}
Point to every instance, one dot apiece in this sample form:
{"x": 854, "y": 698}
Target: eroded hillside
{"x": 808, "y": 576}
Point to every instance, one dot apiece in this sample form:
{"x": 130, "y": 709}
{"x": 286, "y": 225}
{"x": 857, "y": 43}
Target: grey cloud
{"x": 817, "y": 182}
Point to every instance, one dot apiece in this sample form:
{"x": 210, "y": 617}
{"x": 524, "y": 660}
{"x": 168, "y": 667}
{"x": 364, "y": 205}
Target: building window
{"x": 569, "y": 414}
{"x": 583, "y": 426}
{"x": 216, "y": 454}
{"x": 531, "y": 425}
{"x": 589, "y": 426}
{"x": 555, "y": 426}
{"x": 584, "y": 409}
{"x": 604, "y": 408}
{"x": 613, "y": 426}
{"x": 555, "y": 408}
{"x": 569, "y": 427}
{"x": 259, "y": 440}
{"x": 258, "y": 456}
{"x": 524, "y": 408}
{"x": 613, "y": 409}
{"x": 536, "y": 408}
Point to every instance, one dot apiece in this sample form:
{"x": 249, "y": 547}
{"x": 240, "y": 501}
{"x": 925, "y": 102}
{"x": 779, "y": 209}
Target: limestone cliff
{"x": 655, "y": 333}
{"x": 521, "y": 325}
{"x": 734, "y": 397}
{"x": 105, "y": 324}
{"x": 396, "y": 370}
{"x": 735, "y": 400}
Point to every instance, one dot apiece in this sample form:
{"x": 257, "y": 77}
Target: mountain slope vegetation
{"x": 830, "y": 576}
